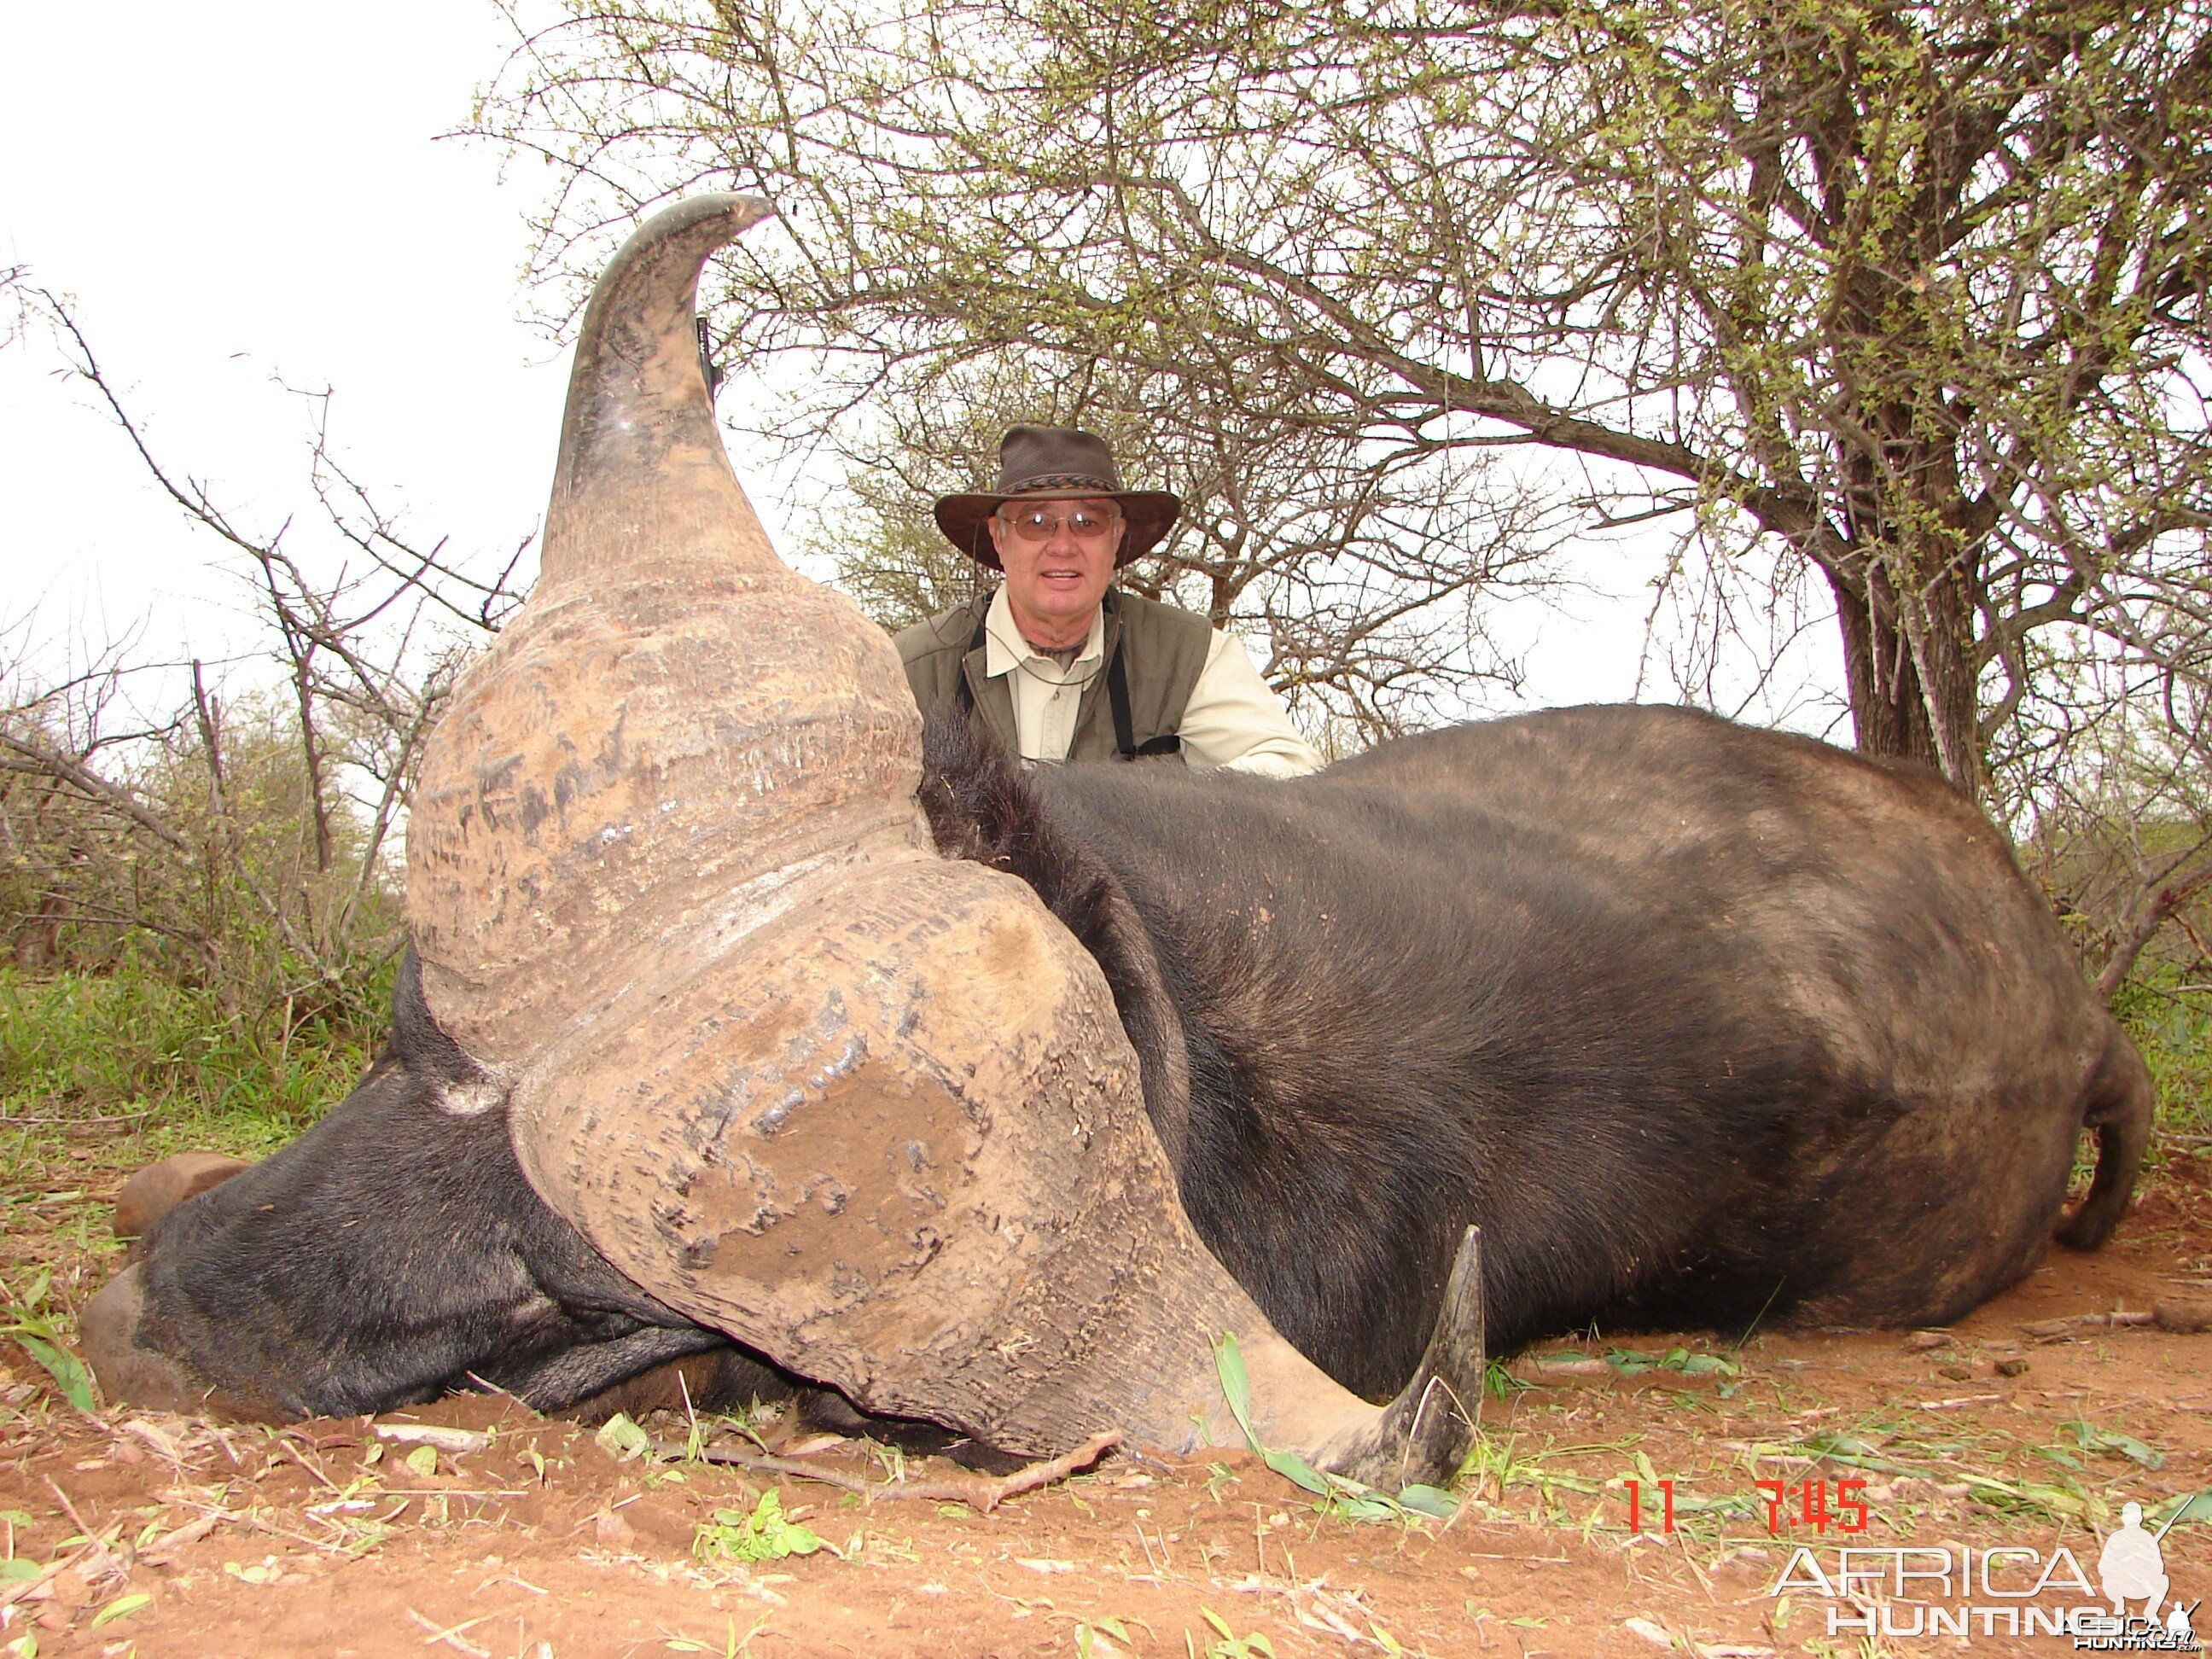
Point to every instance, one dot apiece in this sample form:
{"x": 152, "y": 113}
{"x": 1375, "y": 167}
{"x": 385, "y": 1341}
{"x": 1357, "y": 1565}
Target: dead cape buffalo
{"x": 987, "y": 1098}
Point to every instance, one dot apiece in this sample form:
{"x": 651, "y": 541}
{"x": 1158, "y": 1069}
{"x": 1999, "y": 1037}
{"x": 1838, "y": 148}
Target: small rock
{"x": 2012, "y": 1367}
{"x": 1926, "y": 1340}
{"x": 1956, "y": 1373}
{"x": 69, "y": 1588}
{"x": 612, "y": 1529}
{"x": 1657, "y": 1635}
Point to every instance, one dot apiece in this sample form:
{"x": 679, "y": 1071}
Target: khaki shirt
{"x": 1233, "y": 717}
{"x": 1230, "y": 718}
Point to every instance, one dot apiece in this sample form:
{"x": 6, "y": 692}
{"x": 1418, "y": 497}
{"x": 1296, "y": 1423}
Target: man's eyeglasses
{"x": 1038, "y": 524}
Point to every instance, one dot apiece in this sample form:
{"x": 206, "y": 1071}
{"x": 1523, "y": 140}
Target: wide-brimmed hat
{"x": 1058, "y": 461}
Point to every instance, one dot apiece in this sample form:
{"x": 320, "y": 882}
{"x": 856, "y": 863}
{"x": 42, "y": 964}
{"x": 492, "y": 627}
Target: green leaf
{"x": 622, "y": 1439}
{"x": 122, "y": 1608}
{"x": 1365, "y": 1506}
{"x": 15, "y": 1570}
{"x": 1236, "y": 1385}
{"x": 762, "y": 1535}
{"x": 1346, "y": 1499}
{"x": 1430, "y": 1500}
{"x": 2091, "y": 1438}
{"x": 2133, "y": 1449}
{"x": 2198, "y": 1509}
{"x": 65, "y": 1368}
{"x": 423, "y": 1460}
{"x": 16, "y": 1518}
{"x": 1296, "y": 1470}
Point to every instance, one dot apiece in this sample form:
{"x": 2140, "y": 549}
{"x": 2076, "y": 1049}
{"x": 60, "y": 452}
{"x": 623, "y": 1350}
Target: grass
{"x": 102, "y": 1074}
{"x": 2171, "y": 1021}
{"x": 137, "y": 1048}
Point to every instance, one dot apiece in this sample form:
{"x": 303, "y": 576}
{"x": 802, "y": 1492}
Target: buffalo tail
{"x": 2117, "y": 1106}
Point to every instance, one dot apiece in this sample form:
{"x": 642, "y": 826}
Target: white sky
{"x": 240, "y": 194}
{"x": 245, "y": 193}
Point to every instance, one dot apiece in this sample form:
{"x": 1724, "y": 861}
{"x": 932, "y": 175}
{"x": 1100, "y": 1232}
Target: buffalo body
{"x": 1699, "y": 1024}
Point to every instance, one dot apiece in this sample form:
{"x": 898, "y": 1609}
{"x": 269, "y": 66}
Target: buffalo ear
{"x": 159, "y": 1188}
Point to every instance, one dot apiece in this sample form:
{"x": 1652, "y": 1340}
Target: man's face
{"x": 1058, "y": 553}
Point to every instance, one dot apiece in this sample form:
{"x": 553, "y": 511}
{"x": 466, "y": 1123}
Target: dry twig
{"x": 978, "y": 1492}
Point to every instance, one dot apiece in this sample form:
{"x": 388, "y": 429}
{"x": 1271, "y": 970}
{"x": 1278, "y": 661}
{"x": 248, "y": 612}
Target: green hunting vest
{"x": 1156, "y": 651}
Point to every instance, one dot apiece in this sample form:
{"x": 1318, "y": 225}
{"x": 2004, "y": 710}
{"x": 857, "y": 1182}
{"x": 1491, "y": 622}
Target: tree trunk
{"x": 1912, "y": 699}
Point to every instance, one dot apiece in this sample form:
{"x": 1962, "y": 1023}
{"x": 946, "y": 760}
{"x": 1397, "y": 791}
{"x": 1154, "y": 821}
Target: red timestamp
{"x": 1812, "y": 1507}
{"x": 1820, "y": 1505}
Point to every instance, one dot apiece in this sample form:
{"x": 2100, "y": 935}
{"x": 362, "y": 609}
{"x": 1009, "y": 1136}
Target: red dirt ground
{"x": 543, "y": 1545}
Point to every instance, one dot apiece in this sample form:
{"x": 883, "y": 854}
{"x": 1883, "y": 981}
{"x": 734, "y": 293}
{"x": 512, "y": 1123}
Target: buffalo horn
{"x": 866, "y": 1109}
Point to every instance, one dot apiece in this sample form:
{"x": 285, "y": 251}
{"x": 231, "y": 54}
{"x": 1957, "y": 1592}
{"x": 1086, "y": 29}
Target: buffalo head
{"x": 866, "y": 1109}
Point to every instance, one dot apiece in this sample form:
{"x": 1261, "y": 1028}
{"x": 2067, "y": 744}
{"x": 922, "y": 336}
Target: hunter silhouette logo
{"x": 2007, "y": 1590}
{"x": 2132, "y": 1567}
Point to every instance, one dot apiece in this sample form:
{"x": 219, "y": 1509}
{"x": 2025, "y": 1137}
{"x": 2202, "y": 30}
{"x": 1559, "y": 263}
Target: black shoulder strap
{"x": 965, "y": 693}
{"x": 1125, "y": 745}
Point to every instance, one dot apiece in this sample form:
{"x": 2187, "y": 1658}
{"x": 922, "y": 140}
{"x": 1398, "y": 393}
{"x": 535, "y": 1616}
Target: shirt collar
{"x": 1005, "y": 649}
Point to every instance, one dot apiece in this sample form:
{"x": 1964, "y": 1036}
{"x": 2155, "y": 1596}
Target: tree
{"x": 242, "y": 842}
{"x": 1915, "y": 292}
{"x": 1366, "y": 617}
{"x": 1906, "y": 300}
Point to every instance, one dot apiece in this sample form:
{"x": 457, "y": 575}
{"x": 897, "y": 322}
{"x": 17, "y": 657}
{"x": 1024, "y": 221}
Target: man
{"x": 1059, "y": 663}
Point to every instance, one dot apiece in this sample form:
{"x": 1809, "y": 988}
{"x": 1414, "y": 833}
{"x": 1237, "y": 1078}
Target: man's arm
{"x": 1235, "y": 719}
